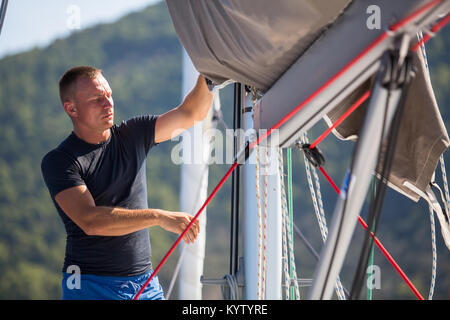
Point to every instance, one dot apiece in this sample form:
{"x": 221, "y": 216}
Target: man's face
{"x": 94, "y": 103}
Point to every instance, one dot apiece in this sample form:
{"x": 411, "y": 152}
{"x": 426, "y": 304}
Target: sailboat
{"x": 294, "y": 63}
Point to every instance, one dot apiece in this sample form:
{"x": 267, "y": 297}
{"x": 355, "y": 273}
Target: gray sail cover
{"x": 249, "y": 41}
{"x": 255, "y": 41}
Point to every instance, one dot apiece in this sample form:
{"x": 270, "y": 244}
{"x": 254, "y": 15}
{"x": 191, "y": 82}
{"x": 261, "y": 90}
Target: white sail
{"x": 193, "y": 193}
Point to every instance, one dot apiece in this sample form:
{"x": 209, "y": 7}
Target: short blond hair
{"x": 67, "y": 83}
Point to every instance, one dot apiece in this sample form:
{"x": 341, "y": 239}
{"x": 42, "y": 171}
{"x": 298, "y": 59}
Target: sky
{"x": 31, "y": 23}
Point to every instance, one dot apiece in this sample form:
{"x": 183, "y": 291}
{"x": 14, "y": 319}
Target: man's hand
{"x": 177, "y": 222}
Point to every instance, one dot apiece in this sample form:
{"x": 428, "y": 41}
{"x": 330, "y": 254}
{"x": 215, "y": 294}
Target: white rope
{"x": 264, "y": 220}
{"x": 258, "y": 205}
{"x": 285, "y": 263}
{"x": 434, "y": 251}
{"x": 446, "y": 203}
{"x": 322, "y": 225}
{"x": 285, "y": 216}
{"x": 318, "y": 209}
{"x": 444, "y": 179}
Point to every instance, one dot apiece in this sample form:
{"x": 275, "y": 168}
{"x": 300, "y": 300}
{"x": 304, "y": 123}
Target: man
{"x": 96, "y": 179}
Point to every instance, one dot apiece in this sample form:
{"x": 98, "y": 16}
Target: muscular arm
{"x": 195, "y": 107}
{"x": 78, "y": 204}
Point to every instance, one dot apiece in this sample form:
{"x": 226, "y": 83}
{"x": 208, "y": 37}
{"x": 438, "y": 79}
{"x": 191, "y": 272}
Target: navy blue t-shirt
{"x": 114, "y": 173}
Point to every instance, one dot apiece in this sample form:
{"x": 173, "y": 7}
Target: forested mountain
{"x": 140, "y": 56}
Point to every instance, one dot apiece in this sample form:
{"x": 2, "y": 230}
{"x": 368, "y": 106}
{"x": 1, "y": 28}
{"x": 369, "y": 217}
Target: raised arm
{"x": 78, "y": 204}
{"x": 195, "y": 107}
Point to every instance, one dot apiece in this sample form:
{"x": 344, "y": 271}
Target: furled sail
{"x": 257, "y": 42}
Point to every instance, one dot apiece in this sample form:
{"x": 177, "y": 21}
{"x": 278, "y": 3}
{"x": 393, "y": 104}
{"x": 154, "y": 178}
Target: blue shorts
{"x": 94, "y": 287}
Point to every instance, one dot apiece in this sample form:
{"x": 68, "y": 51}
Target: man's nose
{"x": 108, "y": 103}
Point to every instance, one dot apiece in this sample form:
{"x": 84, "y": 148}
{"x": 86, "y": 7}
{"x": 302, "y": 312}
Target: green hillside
{"x": 141, "y": 58}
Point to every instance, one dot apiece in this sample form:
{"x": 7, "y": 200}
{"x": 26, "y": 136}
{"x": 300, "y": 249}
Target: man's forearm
{"x": 115, "y": 221}
{"x": 199, "y": 100}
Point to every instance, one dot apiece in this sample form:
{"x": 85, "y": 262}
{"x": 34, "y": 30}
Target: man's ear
{"x": 70, "y": 108}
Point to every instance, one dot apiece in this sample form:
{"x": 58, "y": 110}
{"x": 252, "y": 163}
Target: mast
{"x": 252, "y": 226}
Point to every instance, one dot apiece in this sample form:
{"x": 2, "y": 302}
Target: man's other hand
{"x": 177, "y": 222}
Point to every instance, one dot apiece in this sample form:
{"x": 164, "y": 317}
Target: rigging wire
{"x": 306, "y": 242}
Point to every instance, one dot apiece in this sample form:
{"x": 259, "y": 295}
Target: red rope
{"x": 378, "y": 243}
{"x": 391, "y": 260}
{"x": 377, "y": 41}
{"x": 213, "y": 193}
{"x": 341, "y": 118}
{"x": 335, "y": 187}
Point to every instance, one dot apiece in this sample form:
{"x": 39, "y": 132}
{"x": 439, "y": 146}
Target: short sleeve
{"x": 60, "y": 172}
{"x": 142, "y": 129}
